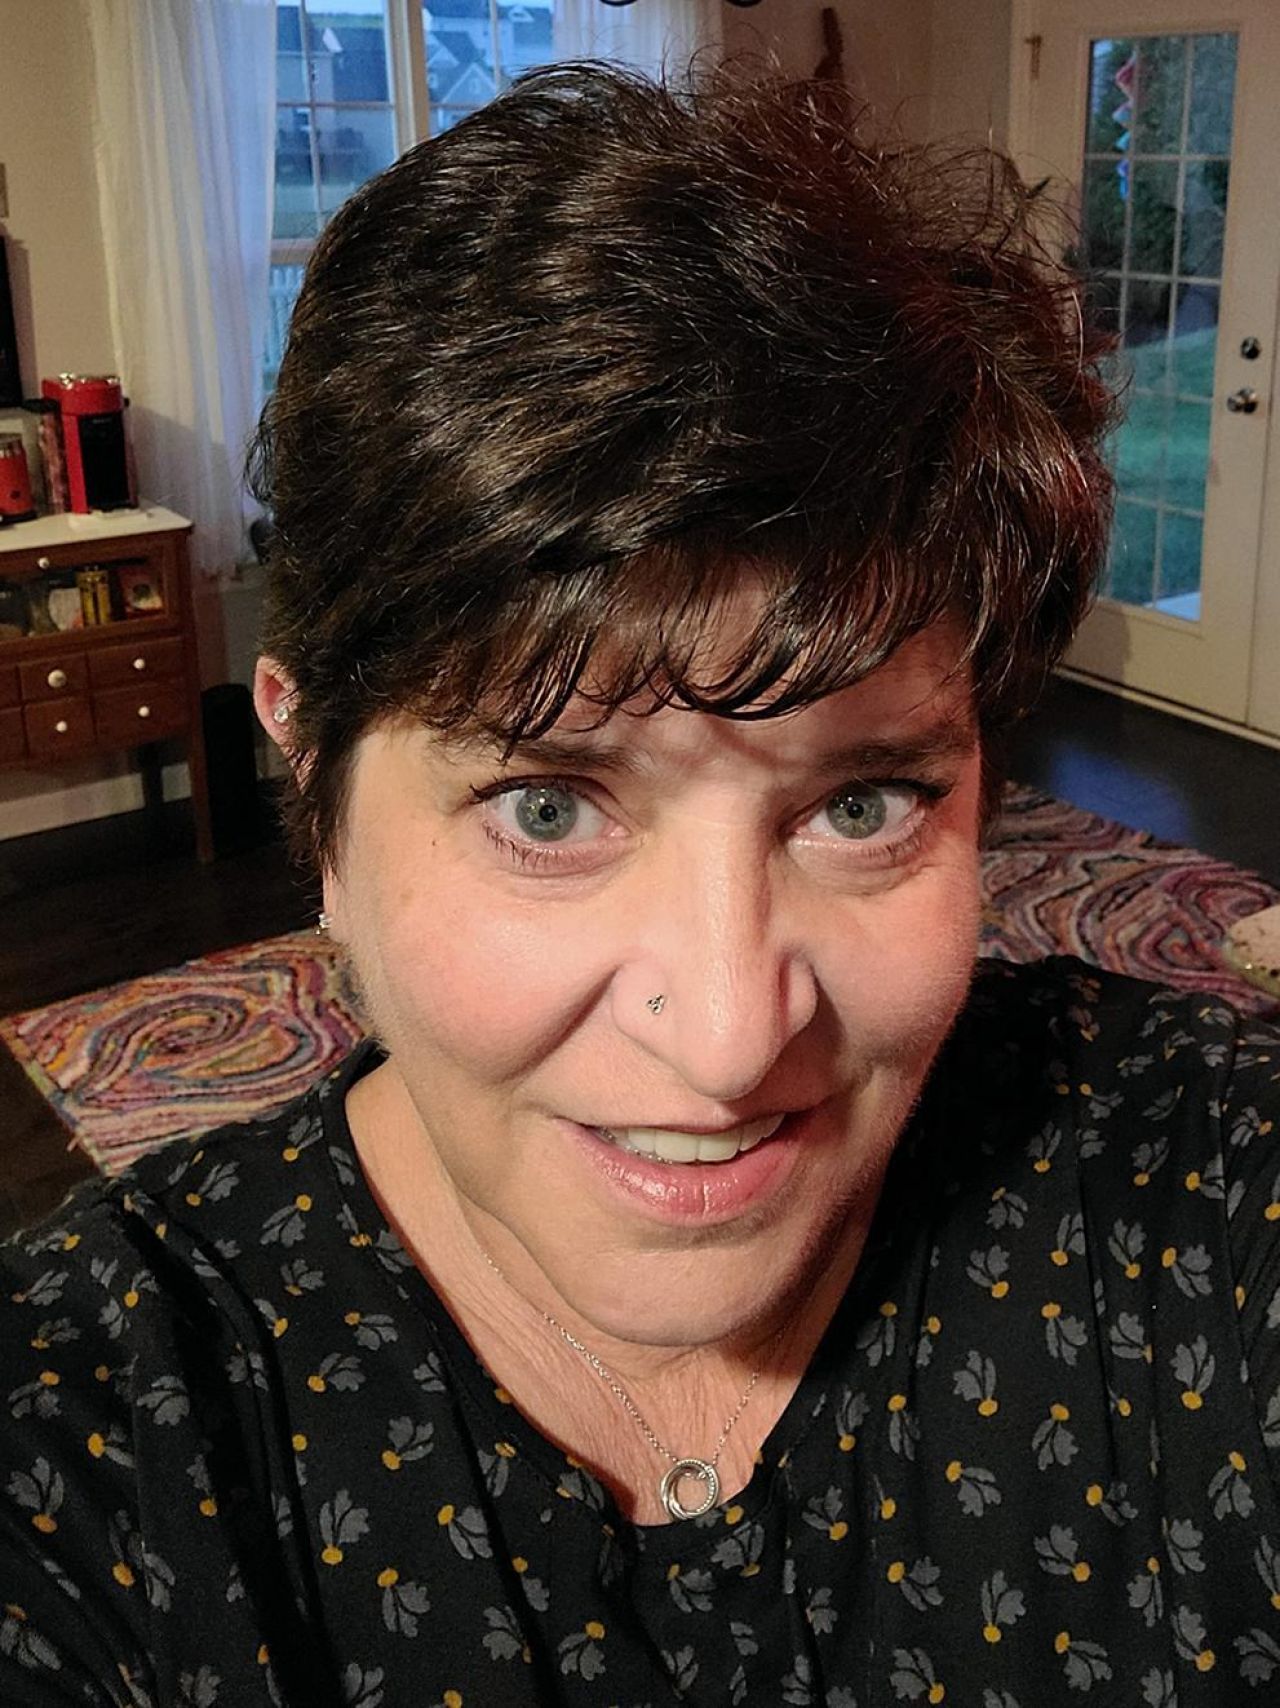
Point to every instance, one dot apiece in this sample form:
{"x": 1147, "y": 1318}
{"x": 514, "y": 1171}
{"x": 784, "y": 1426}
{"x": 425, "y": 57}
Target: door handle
{"x": 1242, "y": 402}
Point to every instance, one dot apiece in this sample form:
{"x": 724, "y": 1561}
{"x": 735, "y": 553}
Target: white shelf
{"x": 68, "y": 529}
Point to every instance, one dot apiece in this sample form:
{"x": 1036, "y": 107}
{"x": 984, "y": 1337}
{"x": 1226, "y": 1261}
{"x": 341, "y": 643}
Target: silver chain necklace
{"x": 702, "y": 1471}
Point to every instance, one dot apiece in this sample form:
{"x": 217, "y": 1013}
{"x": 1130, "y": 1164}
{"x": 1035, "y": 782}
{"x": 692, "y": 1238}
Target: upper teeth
{"x": 667, "y": 1145}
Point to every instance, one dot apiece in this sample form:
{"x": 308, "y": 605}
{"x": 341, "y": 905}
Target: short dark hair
{"x": 558, "y": 377}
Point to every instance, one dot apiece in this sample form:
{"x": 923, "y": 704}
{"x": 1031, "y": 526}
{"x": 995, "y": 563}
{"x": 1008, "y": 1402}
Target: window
{"x": 359, "y": 81}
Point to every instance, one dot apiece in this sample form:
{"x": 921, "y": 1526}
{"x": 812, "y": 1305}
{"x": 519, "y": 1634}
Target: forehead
{"x": 916, "y": 707}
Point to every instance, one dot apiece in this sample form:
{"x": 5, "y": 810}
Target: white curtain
{"x": 651, "y": 35}
{"x": 184, "y": 140}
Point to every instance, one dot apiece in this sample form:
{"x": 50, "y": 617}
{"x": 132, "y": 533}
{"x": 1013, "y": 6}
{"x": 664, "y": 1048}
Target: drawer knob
{"x": 144, "y": 711}
{"x": 61, "y": 727}
{"x": 44, "y": 563}
{"x": 139, "y": 664}
{"x": 57, "y": 678}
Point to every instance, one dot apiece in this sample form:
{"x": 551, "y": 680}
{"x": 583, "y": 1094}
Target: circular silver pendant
{"x": 701, "y": 1472}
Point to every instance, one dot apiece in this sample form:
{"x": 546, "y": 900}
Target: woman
{"x": 710, "y": 1286}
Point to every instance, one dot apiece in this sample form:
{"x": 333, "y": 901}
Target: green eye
{"x": 546, "y": 814}
{"x": 857, "y": 812}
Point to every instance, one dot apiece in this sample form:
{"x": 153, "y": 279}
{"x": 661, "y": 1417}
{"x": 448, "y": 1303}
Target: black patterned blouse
{"x": 246, "y": 1457}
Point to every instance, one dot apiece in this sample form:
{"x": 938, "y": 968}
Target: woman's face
{"x": 801, "y": 894}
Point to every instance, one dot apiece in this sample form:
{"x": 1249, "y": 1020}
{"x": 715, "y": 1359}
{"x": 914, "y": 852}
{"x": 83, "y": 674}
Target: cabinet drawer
{"x": 126, "y": 717}
{"x": 9, "y": 695}
{"x": 13, "y": 739}
{"x": 50, "y": 678}
{"x": 114, "y": 666}
{"x": 56, "y": 728}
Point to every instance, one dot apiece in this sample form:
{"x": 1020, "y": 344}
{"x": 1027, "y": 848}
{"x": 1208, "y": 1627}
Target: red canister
{"x": 15, "y": 480}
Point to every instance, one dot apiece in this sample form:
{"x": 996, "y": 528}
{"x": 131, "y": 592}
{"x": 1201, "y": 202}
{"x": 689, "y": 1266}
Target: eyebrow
{"x": 937, "y": 743}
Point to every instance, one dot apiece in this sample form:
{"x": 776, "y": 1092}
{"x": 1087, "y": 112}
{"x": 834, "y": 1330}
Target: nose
{"x": 716, "y": 941}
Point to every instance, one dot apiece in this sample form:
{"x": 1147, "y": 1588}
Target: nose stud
{"x": 656, "y": 1004}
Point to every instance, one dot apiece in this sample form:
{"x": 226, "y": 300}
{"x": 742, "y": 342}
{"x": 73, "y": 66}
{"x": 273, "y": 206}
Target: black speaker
{"x": 234, "y": 806}
{"x": 10, "y": 380}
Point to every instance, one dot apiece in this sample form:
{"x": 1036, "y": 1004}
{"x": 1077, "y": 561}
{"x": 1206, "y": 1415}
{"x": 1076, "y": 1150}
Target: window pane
{"x": 1112, "y": 66}
{"x": 291, "y": 73}
{"x": 348, "y": 50}
{"x": 1146, "y": 332}
{"x": 285, "y": 283}
{"x": 1213, "y": 82}
{"x": 1132, "y": 572}
{"x": 296, "y": 214}
{"x": 1105, "y": 188}
{"x": 1187, "y": 455}
{"x": 1155, "y": 214}
{"x": 354, "y": 144}
{"x": 460, "y": 69}
{"x": 1204, "y": 217}
{"x": 1159, "y": 94}
{"x": 1139, "y": 446}
{"x": 1195, "y": 339}
{"x": 444, "y": 118}
{"x": 1180, "y": 543}
{"x": 524, "y": 35}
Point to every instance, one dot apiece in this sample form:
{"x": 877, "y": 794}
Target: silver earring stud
{"x": 656, "y": 1004}
{"x": 281, "y": 714}
{"x": 323, "y": 922}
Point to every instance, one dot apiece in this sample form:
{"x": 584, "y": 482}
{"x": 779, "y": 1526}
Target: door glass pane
{"x": 1153, "y": 215}
{"x": 354, "y": 143}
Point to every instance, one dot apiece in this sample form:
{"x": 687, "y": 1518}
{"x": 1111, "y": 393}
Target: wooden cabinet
{"x": 129, "y": 682}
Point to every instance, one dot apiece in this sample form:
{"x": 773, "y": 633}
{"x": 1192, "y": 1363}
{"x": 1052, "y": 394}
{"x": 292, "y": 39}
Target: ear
{"x": 273, "y": 697}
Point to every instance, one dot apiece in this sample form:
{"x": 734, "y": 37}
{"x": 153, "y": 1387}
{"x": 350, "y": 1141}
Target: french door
{"x": 1156, "y": 121}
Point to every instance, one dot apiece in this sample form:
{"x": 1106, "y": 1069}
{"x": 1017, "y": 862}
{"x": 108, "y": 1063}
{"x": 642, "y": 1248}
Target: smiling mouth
{"x": 666, "y": 1144}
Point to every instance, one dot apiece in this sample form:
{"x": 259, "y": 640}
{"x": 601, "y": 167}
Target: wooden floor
{"x": 96, "y": 903}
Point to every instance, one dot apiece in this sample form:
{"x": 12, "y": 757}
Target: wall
{"x": 60, "y": 304}
{"x": 969, "y": 89}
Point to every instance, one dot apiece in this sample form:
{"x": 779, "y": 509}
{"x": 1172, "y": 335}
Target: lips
{"x": 667, "y": 1144}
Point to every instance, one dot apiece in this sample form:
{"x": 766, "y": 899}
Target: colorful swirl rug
{"x": 229, "y": 1035}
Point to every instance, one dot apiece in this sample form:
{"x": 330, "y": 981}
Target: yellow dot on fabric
{"x": 360, "y": 1240}
{"x": 1142, "y": 1178}
{"x": 194, "y": 1199}
{"x": 445, "y": 1515}
{"x": 896, "y": 1572}
{"x": 1059, "y": 1412}
{"x": 291, "y": 1153}
{"x": 888, "y": 1506}
{"x": 988, "y": 1408}
{"x": 302, "y": 1201}
{"x": 280, "y": 1326}
{"x": 570, "y": 1460}
{"x": 999, "y": 1289}
{"x": 1062, "y": 1642}
{"x": 162, "y": 1228}
{"x": 388, "y": 1577}
{"x": 1132, "y": 1271}
{"x": 1272, "y": 1212}
{"x": 452, "y": 1699}
{"x": 1093, "y": 1494}
{"x": 1169, "y": 1256}
{"x": 1059, "y": 1257}
{"x": 936, "y": 1693}
{"x": 733, "y": 1514}
{"x": 838, "y": 1531}
{"x": 123, "y": 1576}
{"x": 504, "y": 1449}
{"x": 564, "y": 1493}
{"x": 1082, "y": 1571}
{"x": 1051, "y": 1310}
{"x": 264, "y": 1654}
{"x": 45, "y": 1523}
{"x": 1240, "y": 1297}
{"x": 1086, "y": 1091}
{"x": 998, "y": 1194}
{"x": 520, "y": 1564}
{"x": 1275, "y": 1600}
{"x": 49, "y": 1378}
{"x": 673, "y": 1572}
{"x": 299, "y": 1443}
{"x": 888, "y": 1309}
{"x": 1192, "y": 1182}
{"x": 1042, "y": 1165}
{"x": 391, "y": 1459}
{"x": 750, "y": 1571}
{"x": 954, "y": 1471}
{"x": 897, "y": 1402}
{"x": 101, "y": 1373}
{"x": 991, "y": 1633}
{"x": 1192, "y": 1400}
{"x": 594, "y": 1629}
{"x": 351, "y": 1318}
{"x": 96, "y": 1445}
{"x": 209, "y": 1507}
{"x": 131, "y": 1298}
{"x": 848, "y": 1443}
{"x": 502, "y": 1396}
{"x": 316, "y": 1384}
{"x": 1153, "y": 1565}
{"x": 1205, "y": 1660}
{"x": 933, "y": 1324}
{"x": 332, "y": 1556}
{"x": 39, "y": 1345}
{"x": 1124, "y": 1406}
{"x": 71, "y": 1242}
{"x": 1236, "y": 1460}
